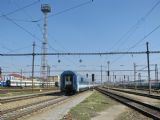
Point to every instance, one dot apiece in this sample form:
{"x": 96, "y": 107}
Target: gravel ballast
{"x": 57, "y": 112}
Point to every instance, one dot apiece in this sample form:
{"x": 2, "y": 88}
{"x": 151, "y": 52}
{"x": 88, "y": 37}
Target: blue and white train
{"x": 11, "y": 81}
{"x": 71, "y": 82}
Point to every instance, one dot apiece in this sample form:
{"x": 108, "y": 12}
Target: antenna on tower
{"x": 45, "y": 8}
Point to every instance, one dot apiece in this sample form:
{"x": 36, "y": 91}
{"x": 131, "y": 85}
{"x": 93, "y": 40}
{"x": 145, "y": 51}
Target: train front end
{"x": 68, "y": 82}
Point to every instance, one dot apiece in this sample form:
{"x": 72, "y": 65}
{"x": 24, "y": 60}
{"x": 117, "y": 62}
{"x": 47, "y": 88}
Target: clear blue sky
{"x": 98, "y": 26}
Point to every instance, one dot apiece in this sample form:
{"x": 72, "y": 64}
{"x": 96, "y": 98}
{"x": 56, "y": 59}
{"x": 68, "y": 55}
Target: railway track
{"x": 146, "y": 109}
{"x": 16, "y": 98}
{"x": 137, "y": 93}
{"x": 14, "y": 113}
{"x": 143, "y": 89}
{"x": 6, "y": 90}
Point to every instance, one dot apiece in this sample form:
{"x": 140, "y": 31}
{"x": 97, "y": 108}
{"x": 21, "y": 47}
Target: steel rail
{"x": 28, "y": 109}
{"x": 137, "y": 93}
{"x": 25, "y": 106}
{"x": 17, "y": 98}
{"x": 146, "y": 109}
{"x": 3, "y": 90}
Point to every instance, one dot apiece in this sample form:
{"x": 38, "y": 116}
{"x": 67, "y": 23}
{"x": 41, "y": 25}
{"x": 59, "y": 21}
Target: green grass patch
{"x": 91, "y": 106}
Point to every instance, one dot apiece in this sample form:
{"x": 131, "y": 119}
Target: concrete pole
{"x": 149, "y": 79}
{"x": 156, "y": 74}
{"x": 135, "y": 85}
{"x": 33, "y": 56}
{"x": 101, "y": 75}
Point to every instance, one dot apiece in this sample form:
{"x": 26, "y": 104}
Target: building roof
{"x": 16, "y": 75}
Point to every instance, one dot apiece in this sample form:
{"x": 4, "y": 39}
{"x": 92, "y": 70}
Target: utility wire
{"x": 18, "y": 49}
{"x": 138, "y": 42}
{"x": 58, "y": 13}
{"x": 73, "y": 53}
{"x": 69, "y": 9}
{"x": 151, "y": 10}
{"x": 31, "y": 20}
{"x": 21, "y": 27}
{"x": 11, "y": 20}
{"x": 134, "y": 27}
{"x": 21, "y": 8}
{"x": 142, "y": 19}
{"x": 86, "y": 70}
{"x": 141, "y": 40}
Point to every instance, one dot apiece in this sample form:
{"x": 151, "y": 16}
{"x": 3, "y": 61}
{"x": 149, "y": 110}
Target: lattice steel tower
{"x": 45, "y": 8}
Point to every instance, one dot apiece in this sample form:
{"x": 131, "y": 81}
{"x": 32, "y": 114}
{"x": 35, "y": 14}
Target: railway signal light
{"x": 87, "y": 75}
{"x": 92, "y": 77}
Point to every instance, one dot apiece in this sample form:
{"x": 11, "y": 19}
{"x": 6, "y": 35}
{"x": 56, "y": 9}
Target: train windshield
{"x": 68, "y": 79}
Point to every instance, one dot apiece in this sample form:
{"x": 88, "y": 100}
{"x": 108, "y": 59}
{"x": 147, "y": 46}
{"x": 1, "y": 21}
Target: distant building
{"x": 53, "y": 78}
{"x": 17, "y": 76}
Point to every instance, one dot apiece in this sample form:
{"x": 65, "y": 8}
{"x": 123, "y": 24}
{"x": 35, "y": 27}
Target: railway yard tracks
{"x": 137, "y": 93}
{"x": 13, "y": 110}
{"x": 16, "y": 98}
{"x": 146, "y": 109}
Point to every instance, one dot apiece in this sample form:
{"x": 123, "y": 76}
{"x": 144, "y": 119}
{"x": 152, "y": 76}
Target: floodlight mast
{"x": 45, "y": 8}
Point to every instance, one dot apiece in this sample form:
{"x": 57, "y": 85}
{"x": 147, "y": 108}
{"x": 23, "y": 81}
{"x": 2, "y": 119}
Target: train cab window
{"x": 68, "y": 80}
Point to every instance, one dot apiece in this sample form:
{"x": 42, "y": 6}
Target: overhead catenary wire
{"x": 138, "y": 22}
{"x": 21, "y": 8}
{"x": 74, "y": 7}
{"x": 138, "y": 42}
{"x": 9, "y": 19}
{"x": 24, "y": 29}
{"x": 72, "y": 54}
{"x": 78, "y": 70}
{"x": 141, "y": 40}
{"x": 18, "y": 49}
{"x": 21, "y": 27}
{"x": 135, "y": 26}
{"x": 57, "y": 51}
{"x": 58, "y": 13}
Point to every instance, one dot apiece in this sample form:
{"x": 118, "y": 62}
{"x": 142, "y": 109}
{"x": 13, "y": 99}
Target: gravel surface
{"x": 15, "y": 104}
{"x": 131, "y": 114}
{"x": 29, "y": 110}
{"x": 111, "y": 113}
{"x": 59, "y": 111}
{"x": 23, "y": 94}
